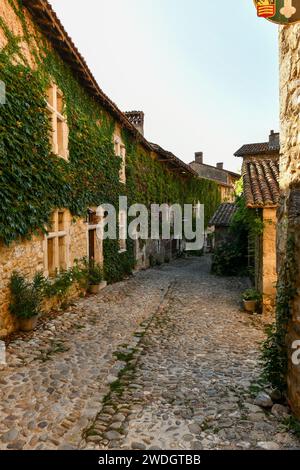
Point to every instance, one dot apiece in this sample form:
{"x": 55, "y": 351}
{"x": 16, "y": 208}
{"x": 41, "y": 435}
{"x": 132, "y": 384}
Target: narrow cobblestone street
{"x": 163, "y": 360}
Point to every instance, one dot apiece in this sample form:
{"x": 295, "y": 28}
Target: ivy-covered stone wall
{"x": 34, "y": 182}
{"x": 288, "y": 237}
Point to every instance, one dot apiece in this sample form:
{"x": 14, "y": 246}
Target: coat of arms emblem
{"x": 279, "y": 11}
{"x": 266, "y": 8}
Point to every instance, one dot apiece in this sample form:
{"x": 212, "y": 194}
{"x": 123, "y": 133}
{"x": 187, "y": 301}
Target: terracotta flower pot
{"x": 28, "y": 324}
{"x": 96, "y": 288}
{"x": 250, "y": 305}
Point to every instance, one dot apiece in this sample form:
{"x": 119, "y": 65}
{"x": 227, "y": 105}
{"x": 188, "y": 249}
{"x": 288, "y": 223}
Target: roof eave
{"x": 252, "y": 154}
{"x": 261, "y": 206}
{"x": 53, "y": 29}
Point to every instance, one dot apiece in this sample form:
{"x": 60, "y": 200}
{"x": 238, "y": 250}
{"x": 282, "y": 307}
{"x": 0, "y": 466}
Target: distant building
{"x": 226, "y": 179}
{"x": 220, "y": 223}
{"x": 261, "y": 190}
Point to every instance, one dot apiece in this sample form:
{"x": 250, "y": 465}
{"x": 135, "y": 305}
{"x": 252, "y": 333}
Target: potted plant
{"x": 250, "y": 299}
{"x": 25, "y": 302}
{"x": 95, "y": 278}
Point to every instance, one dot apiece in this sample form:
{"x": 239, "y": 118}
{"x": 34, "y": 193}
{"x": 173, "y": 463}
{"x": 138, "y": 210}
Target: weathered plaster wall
{"x": 13, "y": 22}
{"x": 269, "y": 276}
{"x": 289, "y": 211}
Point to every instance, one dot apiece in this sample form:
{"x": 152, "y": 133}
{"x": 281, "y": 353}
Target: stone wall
{"x": 27, "y": 258}
{"x": 289, "y": 211}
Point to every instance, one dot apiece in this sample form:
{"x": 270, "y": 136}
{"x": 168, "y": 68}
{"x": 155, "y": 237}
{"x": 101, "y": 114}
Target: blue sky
{"x": 205, "y": 72}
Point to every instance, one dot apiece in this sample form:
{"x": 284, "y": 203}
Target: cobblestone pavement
{"x": 188, "y": 384}
{"x": 56, "y": 379}
{"x": 162, "y": 360}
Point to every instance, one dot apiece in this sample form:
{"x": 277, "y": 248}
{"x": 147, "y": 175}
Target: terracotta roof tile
{"x": 261, "y": 187}
{"x": 257, "y": 149}
{"x": 223, "y": 215}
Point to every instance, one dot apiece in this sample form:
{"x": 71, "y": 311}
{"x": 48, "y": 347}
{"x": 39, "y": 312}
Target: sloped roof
{"x": 223, "y": 215}
{"x": 213, "y": 173}
{"x": 173, "y": 161}
{"x": 261, "y": 148}
{"x": 261, "y": 182}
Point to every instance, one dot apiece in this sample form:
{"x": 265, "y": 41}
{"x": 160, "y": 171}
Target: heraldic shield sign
{"x": 279, "y": 11}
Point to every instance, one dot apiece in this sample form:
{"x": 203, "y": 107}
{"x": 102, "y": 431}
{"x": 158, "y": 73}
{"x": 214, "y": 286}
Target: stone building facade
{"x": 225, "y": 179}
{"x": 261, "y": 190}
{"x": 69, "y": 237}
{"x": 289, "y": 210}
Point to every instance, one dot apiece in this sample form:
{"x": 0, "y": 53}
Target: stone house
{"x": 288, "y": 244}
{"x": 260, "y": 172}
{"x": 225, "y": 179}
{"x": 65, "y": 149}
{"x": 220, "y": 223}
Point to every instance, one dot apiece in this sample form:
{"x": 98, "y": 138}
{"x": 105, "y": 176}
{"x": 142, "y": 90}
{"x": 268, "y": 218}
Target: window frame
{"x": 120, "y": 151}
{"x": 94, "y": 219}
{"x": 59, "y": 144}
{"x": 122, "y": 231}
{"x": 56, "y": 235}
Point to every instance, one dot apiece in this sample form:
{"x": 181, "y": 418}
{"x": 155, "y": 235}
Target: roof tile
{"x": 223, "y": 215}
{"x": 261, "y": 186}
{"x": 257, "y": 149}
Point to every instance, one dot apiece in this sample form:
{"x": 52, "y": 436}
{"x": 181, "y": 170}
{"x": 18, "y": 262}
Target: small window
{"x": 50, "y": 253}
{"x": 56, "y": 244}
{"x": 92, "y": 217}
{"x": 50, "y": 95}
{"x": 123, "y": 165}
{"x": 117, "y": 146}
{"x": 59, "y": 133}
{"x": 120, "y": 151}
{"x": 61, "y": 221}
{"x": 60, "y": 102}
{"x": 122, "y": 231}
{"x": 62, "y": 264}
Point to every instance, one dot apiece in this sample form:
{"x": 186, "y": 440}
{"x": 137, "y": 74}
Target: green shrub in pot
{"x": 251, "y": 297}
{"x": 93, "y": 273}
{"x": 26, "y": 299}
{"x": 252, "y": 294}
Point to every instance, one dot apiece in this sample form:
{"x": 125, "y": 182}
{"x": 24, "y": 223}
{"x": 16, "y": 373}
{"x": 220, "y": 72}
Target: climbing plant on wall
{"x": 274, "y": 350}
{"x": 34, "y": 181}
{"x": 233, "y": 256}
{"x": 149, "y": 182}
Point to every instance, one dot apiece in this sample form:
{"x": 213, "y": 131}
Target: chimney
{"x": 137, "y": 119}
{"x": 220, "y": 166}
{"x": 199, "y": 157}
{"x": 274, "y": 140}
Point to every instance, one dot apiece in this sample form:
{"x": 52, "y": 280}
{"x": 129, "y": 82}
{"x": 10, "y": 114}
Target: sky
{"x": 205, "y": 72}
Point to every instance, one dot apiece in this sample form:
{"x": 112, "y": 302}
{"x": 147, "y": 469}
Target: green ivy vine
{"x": 274, "y": 349}
{"x": 34, "y": 182}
